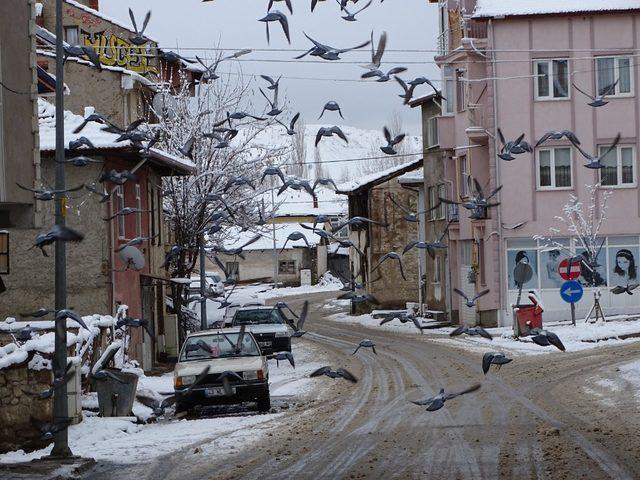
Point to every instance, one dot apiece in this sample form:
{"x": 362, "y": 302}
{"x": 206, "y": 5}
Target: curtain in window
{"x": 560, "y": 78}
{"x": 606, "y": 74}
{"x": 545, "y": 167}
{"x": 543, "y": 79}
{"x": 562, "y": 167}
{"x": 609, "y": 174}
{"x": 624, "y": 73}
{"x": 627, "y": 164}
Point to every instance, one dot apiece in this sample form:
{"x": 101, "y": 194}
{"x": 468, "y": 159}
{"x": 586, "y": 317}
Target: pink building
{"x": 512, "y": 65}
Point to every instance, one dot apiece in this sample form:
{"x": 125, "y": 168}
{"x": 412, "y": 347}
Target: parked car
{"x": 269, "y": 326}
{"x": 233, "y": 308}
{"x": 219, "y": 350}
{"x": 213, "y": 281}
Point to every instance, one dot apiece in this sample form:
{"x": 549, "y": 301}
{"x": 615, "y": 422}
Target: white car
{"x": 238, "y": 370}
{"x": 213, "y": 282}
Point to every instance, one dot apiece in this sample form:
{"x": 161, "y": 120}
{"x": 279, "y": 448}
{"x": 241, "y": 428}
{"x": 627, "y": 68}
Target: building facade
{"x": 519, "y": 68}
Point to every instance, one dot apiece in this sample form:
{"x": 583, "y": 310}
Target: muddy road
{"x": 531, "y": 419}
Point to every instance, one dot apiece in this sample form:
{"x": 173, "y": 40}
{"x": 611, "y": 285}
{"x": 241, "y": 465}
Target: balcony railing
{"x": 476, "y": 129}
{"x": 453, "y": 213}
{"x": 451, "y": 38}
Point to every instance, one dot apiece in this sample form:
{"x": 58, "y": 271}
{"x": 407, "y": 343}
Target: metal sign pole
{"x": 573, "y": 314}
{"x": 203, "y": 286}
{"x": 60, "y": 406}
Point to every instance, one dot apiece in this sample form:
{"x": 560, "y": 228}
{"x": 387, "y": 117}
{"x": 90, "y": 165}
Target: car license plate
{"x": 264, "y": 344}
{"x": 216, "y": 392}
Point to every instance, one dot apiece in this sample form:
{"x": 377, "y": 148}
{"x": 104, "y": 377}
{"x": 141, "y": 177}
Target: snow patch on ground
{"x": 581, "y": 337}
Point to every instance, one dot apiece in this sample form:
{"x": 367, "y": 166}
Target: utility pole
{"x": 60, "y": 406}
{"x": 273, "y": 234}
{"x": 203, "y": 286}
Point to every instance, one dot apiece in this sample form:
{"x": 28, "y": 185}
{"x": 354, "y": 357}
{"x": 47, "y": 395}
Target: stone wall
{"x": 17, "y": 408}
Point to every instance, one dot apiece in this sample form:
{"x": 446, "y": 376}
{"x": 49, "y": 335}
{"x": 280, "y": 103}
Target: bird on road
{"x": 544, "y": 338}
{"x": 494, "y": 358}
{"x": 48, "y": 430}
{"x": 391, "y": 141}
{"x": 355, "y": 298}
{"x": 471, "y": 302}
{"x": 331, "y": 106}
{"x": 437, "y": 402}
{"x": 472, "y": 331}
{"x": 366, "y": 343}
{"x": 281, "y": 18}
{"x": 338, "y": 373}
{"x": 598, "y": 100}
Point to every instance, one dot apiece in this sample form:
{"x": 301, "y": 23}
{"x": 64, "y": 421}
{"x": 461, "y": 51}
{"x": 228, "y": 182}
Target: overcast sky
{"x": 410, "y": 25}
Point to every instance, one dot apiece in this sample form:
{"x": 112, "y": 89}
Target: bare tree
{"x": 222, "y": 192}
{"x": 299, "y": 150}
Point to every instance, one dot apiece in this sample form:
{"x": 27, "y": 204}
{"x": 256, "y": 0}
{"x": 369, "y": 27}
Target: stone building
{"x": 369, "y": 197}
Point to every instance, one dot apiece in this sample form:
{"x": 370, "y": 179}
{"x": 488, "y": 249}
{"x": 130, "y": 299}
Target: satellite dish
{"x": 522, "y": 273}
{"x": 164, "y": 105}
{"x": 132, "y": 257}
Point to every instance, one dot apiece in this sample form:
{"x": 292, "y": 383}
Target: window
{"x": 464, "y": 176}
{"x": 552, "y": 79}
{"x": 287, "y": 267}
{"x": 138, "y": 214}
{"x": 119, "y": 206}
{"x": 233, "y": 269}
{"x": 433, "y": 201}
{"x": 343, "y": 232}
{"x": 481, "y": 266}
{"x": 618, "y": 166}
{"x": 447, "y": 82}
{"x": 612, "y": 69}
{"x": 441, "y": 211}
{"x": 71, "y": 35}
{"x": 432, "y": 132}
{"x": 4, "y": 252}
{"x": 436, "y": 268}
{"x": 461, "y": 91}
{"x": 554, "y": 168}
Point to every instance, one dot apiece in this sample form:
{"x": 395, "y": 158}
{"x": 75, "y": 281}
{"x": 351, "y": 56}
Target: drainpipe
{"x": 501, "y": 296}
{"x": 449, "y": 289}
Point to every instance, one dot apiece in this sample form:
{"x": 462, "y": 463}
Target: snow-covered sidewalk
{"x": 126, "y": 440}
{"x": 581, "y": 337}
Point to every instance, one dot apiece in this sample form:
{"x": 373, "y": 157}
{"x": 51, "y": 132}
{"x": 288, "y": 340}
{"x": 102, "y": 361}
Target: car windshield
{"x": 215, "y": 278}
{"x": 219, "y": 345}
{"x": 258, "y": 316}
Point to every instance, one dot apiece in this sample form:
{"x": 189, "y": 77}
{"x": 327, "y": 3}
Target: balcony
{"x": 453, "y": 213}
{"x": 463, "y": 27}
{"x": 476, "y": 130}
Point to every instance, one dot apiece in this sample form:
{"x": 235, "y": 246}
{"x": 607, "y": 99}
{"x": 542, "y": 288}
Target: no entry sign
{"x": 569, "y": 271}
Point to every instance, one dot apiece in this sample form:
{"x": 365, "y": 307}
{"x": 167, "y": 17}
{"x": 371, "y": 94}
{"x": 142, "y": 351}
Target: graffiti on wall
{"x": 119, "y": 52}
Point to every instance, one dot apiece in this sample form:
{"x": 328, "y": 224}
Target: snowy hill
{"x": 326, "y": 160}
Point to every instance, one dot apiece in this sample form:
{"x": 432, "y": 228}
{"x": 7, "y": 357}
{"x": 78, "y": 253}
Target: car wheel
{"x": 264, "y": 402}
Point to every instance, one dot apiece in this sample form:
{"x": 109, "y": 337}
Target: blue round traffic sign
{"x": 571, "y": 291}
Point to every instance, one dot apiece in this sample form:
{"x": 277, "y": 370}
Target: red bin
{"x": 529, "y": 316}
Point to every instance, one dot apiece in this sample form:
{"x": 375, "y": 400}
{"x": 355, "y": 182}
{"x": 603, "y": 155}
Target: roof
{"x": 500, "y": 8}
{"x": 101, "y": 15}
{"x": 46, "y": 82}
{"x": 283, "y": 230}
{"x": 100, "y": 139}
{"x": 420, "y": 100}
{"x": 293, "y": 203}
{"x": 369, "y": 181}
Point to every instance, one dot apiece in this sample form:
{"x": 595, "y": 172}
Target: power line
{"x": 12, "y": 90}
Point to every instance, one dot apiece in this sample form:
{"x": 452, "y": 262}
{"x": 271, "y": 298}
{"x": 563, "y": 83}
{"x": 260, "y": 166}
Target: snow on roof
{"x": 299, "y": 203}
{"x": 416, "y": 176}
{"x": 101, "y": 15}
{"x": 283, "y": 230}
{"x": 350, "y": 187}
{"x": 93, "y": 131}
{"x": 498, "y": 8}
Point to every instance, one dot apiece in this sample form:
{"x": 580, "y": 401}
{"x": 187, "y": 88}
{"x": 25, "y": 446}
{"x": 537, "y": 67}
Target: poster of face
{"x": 622, "y": 266}
{"x": 522, "y": 256}
{"x": 593, "y": 277}
{"x": 549, "y": 262}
